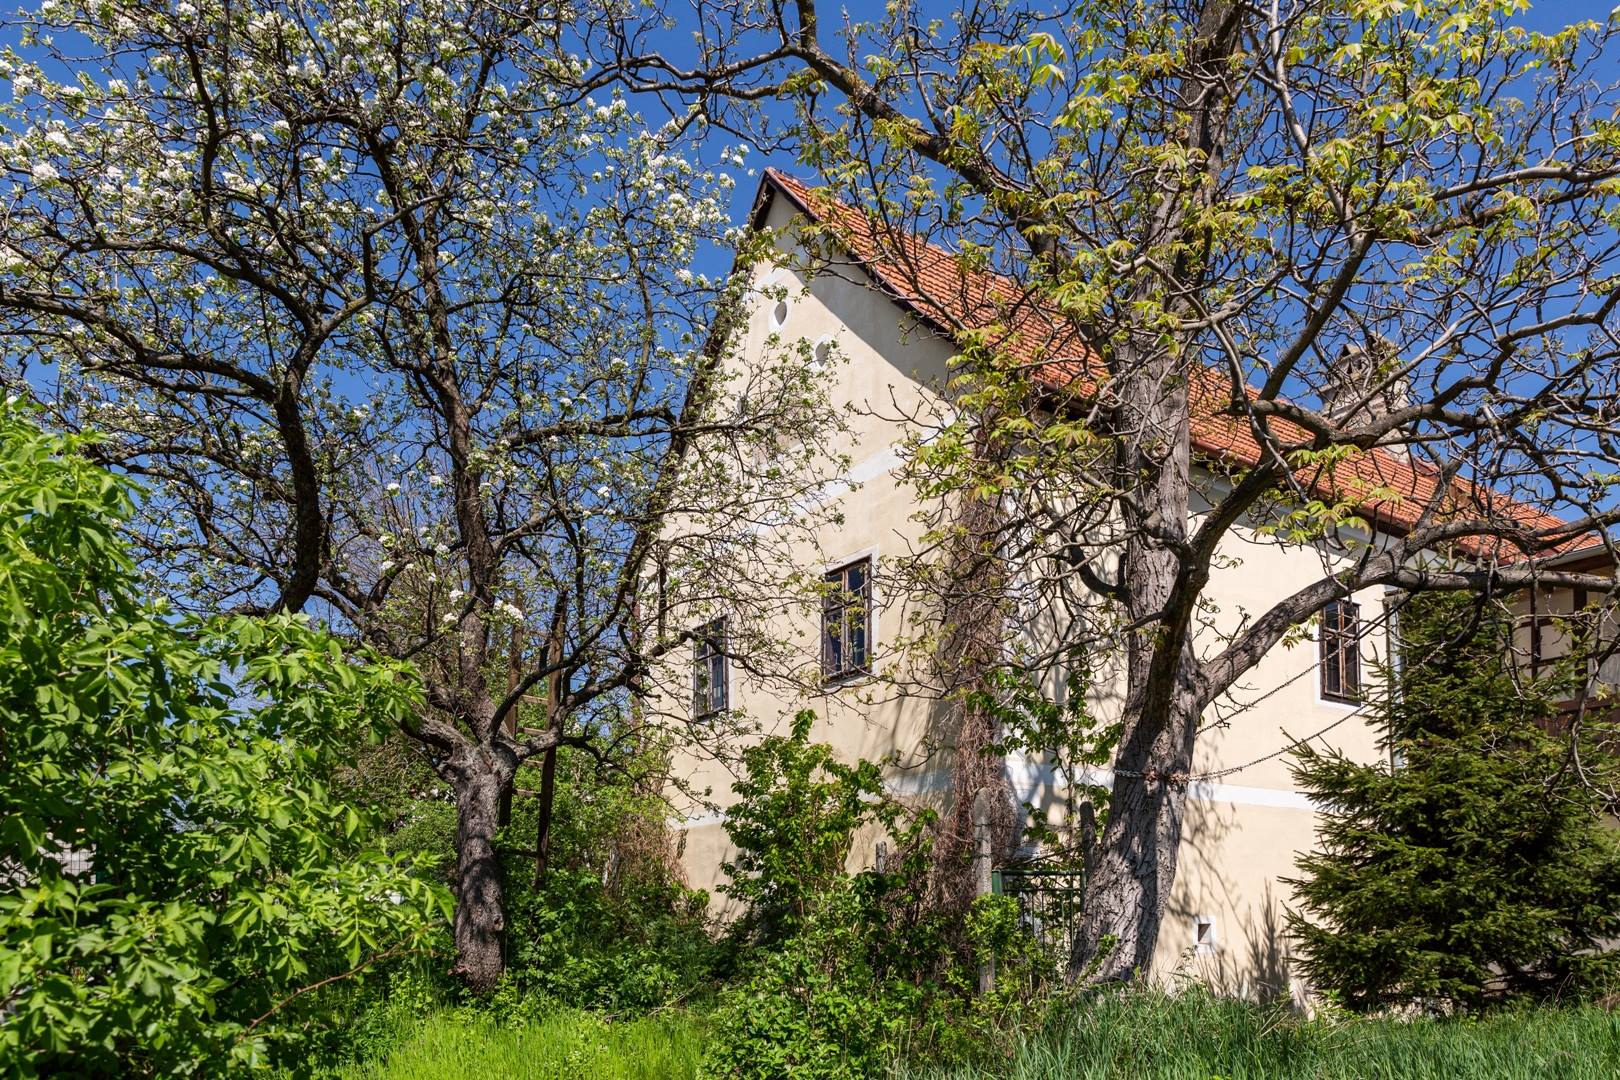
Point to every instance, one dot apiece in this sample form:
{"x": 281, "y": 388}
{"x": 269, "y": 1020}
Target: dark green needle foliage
{"x": 1475, "y": 865}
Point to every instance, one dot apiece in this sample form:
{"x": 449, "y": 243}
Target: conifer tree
{"x": 1471, "y": 867}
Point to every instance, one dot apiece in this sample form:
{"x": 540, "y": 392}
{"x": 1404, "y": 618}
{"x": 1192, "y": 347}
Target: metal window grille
{"x": 1341, "y": 651}
{"x": 709, "y": 669}
{"x": 846, "y": 613}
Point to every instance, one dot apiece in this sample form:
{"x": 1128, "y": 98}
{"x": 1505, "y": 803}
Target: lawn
{"x": 1195, "y": 1036}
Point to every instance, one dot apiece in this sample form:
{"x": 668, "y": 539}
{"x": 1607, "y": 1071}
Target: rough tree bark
{"x": 1161, "y": 578}
{"x": 1136, "y": 860}
{"x": 480, "y": 780}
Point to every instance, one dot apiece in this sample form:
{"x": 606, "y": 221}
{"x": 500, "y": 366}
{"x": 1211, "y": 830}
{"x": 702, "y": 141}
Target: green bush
{"x": 834, "y": 970}
{"x": 611, "y": 948}
{"x": 820, "y": 1005}
{"x": 797, "y": 812}
{"x": 177, "y": 875}
{"x": 611, "y": 927}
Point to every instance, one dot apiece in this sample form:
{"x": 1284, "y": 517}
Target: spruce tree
{"x": 1472, "y": 867}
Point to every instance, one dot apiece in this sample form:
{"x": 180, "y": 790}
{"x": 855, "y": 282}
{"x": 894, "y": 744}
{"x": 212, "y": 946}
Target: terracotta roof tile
{"x": 945, "y": 292}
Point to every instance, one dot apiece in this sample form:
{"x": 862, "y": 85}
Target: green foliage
{"x": 828, "y": 1003}
{"x": 847, "y": 970}
{"x": 1062, "y": 731}
{"x": 797, "y": 812}
{"x": 1478, "y": 871}
{"x": 1194, "y": 1035}
{"x": 839, "y": 960}
{"x": 1027, "y": 973}
{"x": 611, "y": 927}
{"x": 1145, "y": 1035}
{"x": 175, "y": 863}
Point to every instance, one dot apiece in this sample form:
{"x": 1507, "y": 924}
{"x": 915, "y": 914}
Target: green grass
{"x": 563, "y": 1046}
{"x": 1133, "y": 1036}
{"x": 1146, "y": 1036}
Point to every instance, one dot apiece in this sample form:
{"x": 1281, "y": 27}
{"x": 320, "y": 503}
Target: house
{"x": 865, "y": 312}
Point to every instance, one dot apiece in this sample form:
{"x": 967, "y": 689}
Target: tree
{"x": 175, "y": 872}
{"x": 1473, "y": 868}
{"x": 403, "y": 332}
{"x": 1299, "y": 269}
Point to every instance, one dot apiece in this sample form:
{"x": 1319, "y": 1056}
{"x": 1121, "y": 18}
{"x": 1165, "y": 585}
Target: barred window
{"x": 846, "y": 619}
{"x": 709, "y": 669}
{"x": 1341, "y": 651}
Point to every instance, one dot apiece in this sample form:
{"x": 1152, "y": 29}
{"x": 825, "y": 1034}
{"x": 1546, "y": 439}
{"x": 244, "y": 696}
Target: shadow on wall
{"x": 1249, "y": 956}
{"x": 1038, "y": 785}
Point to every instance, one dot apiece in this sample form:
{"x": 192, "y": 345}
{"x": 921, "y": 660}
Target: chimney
{"x": 1362, "y": 384}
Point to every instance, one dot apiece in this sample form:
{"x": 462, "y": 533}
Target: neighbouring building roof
{"x": 948, "y": 294}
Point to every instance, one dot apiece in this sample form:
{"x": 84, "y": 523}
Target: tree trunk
{"x": 1136, "y": 861}
{"x": 542, "y": 832}
{"x": 554, "y": 717}
{"x": 979, "y": 823}
{"x": 1135, "y": 864}
{"x": 480, "y": 922}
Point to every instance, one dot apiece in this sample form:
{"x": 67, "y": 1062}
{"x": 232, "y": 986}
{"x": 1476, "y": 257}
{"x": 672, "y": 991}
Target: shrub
{"x": 609, "y": 926}
{"x": 797, "y": 812}
{"x": 839, "y": 966}
{"x": 820, "y": 1006}
{"x": 175, "y": 870}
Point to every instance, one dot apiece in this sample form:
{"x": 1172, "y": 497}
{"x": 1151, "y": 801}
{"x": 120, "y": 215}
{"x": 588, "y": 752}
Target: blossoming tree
{"x": 400, "y": 332}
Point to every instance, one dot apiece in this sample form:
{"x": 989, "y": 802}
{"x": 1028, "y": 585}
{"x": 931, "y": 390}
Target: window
{"x": 1341, "y": 651}
{"x": 1549, "y": 631}
{"x": 709, "y": 669}
{"x": 1539, "y": 625}
{"x": 846, "y": 620}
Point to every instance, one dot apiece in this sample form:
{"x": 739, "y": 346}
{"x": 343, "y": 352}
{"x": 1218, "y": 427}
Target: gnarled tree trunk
{"x": 1159, "y": 585}
{"x": 1163, "y": 572}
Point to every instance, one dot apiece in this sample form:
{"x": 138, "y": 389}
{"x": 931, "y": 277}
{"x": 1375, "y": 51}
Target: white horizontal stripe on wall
{"x": 1026, "y": 778}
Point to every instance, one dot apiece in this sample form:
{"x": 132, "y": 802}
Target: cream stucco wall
{"x": 1244, "y": 825}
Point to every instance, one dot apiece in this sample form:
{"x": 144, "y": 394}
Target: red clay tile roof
{"x": 947, "y": 294}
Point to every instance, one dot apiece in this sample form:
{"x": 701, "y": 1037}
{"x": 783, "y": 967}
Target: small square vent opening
{"x": 1205, "y": 937}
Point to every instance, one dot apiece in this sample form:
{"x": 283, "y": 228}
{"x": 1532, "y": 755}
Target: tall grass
{"x": 1195, "y": 1036}
{"x": 566, "y": 1045}
{"x": 1126, "y": 1036}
